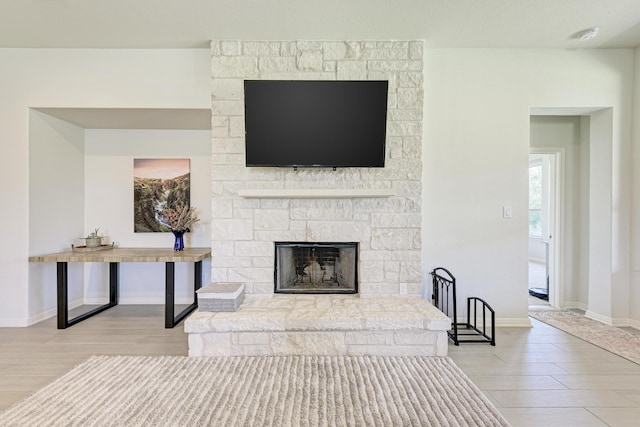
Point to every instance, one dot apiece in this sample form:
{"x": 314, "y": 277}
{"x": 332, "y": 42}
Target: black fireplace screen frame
{"x": 320, "y": 247}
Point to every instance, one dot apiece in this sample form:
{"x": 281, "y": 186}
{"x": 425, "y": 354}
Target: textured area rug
{"x": 258, "y": 391}
{"x": 610, "y": 338}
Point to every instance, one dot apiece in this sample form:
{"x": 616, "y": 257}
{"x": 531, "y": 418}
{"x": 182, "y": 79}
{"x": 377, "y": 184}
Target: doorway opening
{"x": 542, "y": 207}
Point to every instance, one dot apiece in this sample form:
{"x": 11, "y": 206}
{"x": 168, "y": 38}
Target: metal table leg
{"x": 170, "y": 320}
{"x": 63, "y": 296}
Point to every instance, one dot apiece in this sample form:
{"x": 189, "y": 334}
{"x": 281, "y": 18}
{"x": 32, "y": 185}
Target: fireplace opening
{"x": 316, "y": 268}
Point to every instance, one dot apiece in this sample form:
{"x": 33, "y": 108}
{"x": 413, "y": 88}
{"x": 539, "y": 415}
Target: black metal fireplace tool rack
{"x": 444, "y": 298}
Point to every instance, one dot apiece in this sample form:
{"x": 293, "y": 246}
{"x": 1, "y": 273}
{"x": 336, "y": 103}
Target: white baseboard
{"x": 516, "y": 322}
{"x": 48, "y": 314}
{"x": 42, "y": 316}
{"x": 13, "y": 323}
{"x": 622, "y": 322}
{"x": 51, "y": 313}
{"x": 599, "y": 317}
{"x": 136, "y": 301}
{"x": 32, "y": 320}
{"x": 574, "y": 305}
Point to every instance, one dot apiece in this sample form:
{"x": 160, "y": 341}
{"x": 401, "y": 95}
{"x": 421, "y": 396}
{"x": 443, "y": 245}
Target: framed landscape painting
{"x": 158, "y": 184}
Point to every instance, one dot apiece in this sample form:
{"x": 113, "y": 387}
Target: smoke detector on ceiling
{"x": 588, "y": 34}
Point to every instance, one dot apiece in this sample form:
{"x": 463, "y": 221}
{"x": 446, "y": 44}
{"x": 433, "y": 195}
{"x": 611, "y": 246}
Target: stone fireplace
{"x": 316, "y": 268}
{"x": 380, "y": 208}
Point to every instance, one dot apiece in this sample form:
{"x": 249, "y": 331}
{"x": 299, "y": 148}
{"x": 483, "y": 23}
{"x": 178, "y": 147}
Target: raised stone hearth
{"x": 321, "y": 325}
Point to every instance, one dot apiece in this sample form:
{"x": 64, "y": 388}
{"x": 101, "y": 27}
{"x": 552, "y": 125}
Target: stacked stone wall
{"x": 387, "y": 228}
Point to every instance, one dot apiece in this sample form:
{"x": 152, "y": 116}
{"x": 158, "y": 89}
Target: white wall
{"x": 109, "y": 205}
{"x": 634, "y": 292}
{"x": 600, "y": 225}
{"x": 476, "y": 136}
{"x": 477, "y": 108}
{"x": 537, "y": 250}
{"x": 56, "y": 205}
{"x": 74, "y": 78}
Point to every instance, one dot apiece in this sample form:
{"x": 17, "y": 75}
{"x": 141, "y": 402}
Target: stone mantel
{"x": 314, "y": 193}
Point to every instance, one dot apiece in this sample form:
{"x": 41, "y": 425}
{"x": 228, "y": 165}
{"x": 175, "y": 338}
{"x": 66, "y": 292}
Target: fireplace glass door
{"x": 316, "y": 268}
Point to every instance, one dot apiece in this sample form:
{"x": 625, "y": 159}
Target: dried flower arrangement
{"x": 180, "y": 218}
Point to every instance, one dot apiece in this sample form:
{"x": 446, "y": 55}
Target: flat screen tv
{"x": 308, "y": 123}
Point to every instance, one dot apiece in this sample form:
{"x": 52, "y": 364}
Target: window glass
{"x": 535, "y": 225}
{"x": 535, "y": 200}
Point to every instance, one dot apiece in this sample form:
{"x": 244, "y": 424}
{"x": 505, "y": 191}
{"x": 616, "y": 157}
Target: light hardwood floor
{"x": 536, "y": 376}
{"x": 541, "y": 376}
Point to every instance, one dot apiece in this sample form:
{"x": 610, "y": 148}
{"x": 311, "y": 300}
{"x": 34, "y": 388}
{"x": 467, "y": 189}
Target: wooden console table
{"x": 116, "y": 256}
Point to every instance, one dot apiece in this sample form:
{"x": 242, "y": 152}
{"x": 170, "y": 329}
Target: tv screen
{"x": 308, "y": 123}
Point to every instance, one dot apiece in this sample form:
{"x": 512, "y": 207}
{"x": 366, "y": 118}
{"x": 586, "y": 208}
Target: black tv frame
{"x": 286, "y": 108}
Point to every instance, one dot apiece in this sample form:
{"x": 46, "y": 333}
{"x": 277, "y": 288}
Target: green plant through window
{"x": 535, "y": 200}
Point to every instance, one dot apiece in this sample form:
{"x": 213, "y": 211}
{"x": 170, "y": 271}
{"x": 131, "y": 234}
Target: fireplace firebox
{"x": 316, "y": 268}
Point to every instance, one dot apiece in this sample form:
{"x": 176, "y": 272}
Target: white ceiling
{"x": 441, "y": 23}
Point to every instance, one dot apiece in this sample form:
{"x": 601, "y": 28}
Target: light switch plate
{"x": 506, "y": 212}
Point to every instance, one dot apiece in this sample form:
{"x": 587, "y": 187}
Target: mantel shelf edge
{"x": 314, "y": 193}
